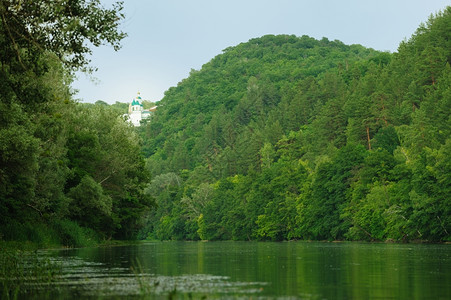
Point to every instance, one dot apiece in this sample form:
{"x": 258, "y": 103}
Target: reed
{"x": 24, "y": 272}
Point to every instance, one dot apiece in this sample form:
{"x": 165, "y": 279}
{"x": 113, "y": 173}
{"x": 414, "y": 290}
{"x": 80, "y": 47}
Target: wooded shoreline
{"x": 279, "y": 138}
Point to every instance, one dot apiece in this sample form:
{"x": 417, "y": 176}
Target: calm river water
{"x": 289, "y": 270}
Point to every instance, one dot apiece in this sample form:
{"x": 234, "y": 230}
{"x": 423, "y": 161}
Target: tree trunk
{"x": 368, "y": 137}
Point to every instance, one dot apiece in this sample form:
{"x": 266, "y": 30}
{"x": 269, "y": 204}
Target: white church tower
{"x": 135, "y": 110}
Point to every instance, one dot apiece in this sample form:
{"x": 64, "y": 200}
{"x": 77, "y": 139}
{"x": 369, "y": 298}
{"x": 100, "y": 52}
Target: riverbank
{"x": 55, "y": 234}
{"x": 32, "y": 246}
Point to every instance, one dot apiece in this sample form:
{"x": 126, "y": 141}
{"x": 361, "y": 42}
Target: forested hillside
{"x": 279, "y": 138}
{"x": 287, "y": 137}
{"x": 70, "y": 174}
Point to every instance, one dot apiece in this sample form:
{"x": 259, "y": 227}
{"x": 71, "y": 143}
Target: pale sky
{"x": 168, "y": 38}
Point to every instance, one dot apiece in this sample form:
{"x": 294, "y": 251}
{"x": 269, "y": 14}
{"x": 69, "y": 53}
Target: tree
{"x": 278, "y": 222}
{"x": 430, "y": 196}
{"x": 321, "y": 216}
{"x": 54, "y": 151}
{"x": 19, "y": 152}
{"x": 197, "y": 202}
{"x": 90, "y": 206}
{"x": 66, "y": 29}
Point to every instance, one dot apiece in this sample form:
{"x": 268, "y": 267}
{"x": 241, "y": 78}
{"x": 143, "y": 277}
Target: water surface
{"x": 293, "y": 270}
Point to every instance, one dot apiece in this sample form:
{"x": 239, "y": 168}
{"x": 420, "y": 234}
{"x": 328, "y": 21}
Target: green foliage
{"x": 63, "y": 165}
{"x": 89, "y": 204}
{"x": 288, "y": 137}
{"x": 279, "y": 138}
{"x": 71, "y": 234}
{"x": 320, "y": 218}
{"x": 19, "y": 153}
{"x": 66, "y": 29}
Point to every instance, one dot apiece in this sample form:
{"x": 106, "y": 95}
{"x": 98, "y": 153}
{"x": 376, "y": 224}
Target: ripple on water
{"x": 84, "y": 278}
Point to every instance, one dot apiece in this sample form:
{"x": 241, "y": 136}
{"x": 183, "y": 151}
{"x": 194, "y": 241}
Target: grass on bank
{"x": 24, "y": 271}
{"x": 21, "y": 269}
{"x": 61, "y": 233}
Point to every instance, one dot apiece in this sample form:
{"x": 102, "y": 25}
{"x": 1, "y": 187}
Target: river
{"x": 265, "y": 270}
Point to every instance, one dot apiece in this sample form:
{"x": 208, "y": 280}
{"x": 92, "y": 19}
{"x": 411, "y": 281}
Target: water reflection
{"x": 294, "y": 269}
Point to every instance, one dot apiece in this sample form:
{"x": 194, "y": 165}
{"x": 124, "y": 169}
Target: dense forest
{"x": 278, "y": 138}
{"x": 287, "y": 137}
{"x": 70, "y": 174}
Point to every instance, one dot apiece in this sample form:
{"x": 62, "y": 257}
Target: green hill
{"x": 245, "y": 88}
{"x": 287, "y": 137}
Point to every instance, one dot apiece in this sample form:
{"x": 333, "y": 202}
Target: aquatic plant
{"x": 24, "y": 272}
